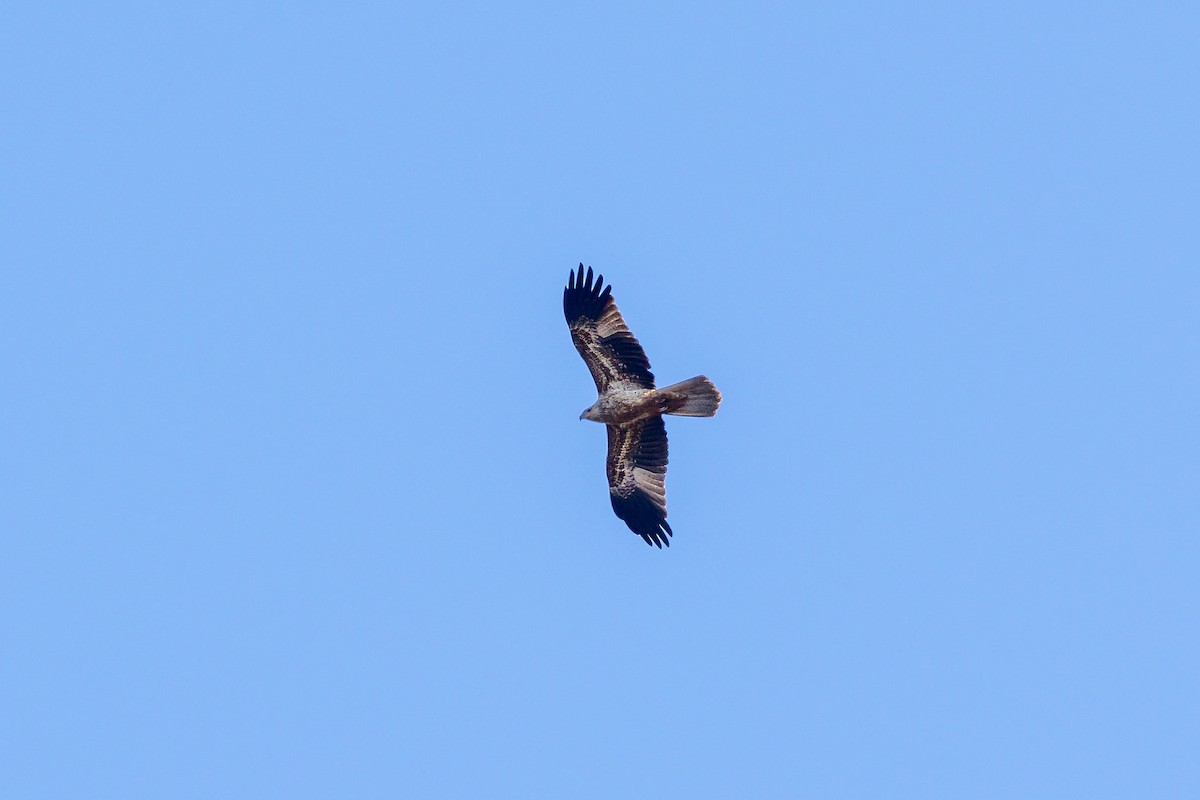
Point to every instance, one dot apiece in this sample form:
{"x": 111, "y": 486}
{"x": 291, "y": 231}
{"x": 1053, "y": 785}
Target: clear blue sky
{"x": 295, "y": 498}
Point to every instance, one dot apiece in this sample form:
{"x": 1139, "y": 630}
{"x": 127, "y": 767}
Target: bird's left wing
{"x": 637, "y": 470}
{"x": 600, "y": 335}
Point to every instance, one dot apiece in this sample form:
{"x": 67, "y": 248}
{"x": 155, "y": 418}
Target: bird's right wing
{"x": 600, "y": 335}
{"x": 637, "y": 470}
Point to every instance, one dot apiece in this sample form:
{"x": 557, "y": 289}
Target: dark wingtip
{"x": 583, "y": 296}
{"x": 643, "y": 518}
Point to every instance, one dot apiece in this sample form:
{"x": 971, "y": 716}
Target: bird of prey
{"x": 629, "y": 405}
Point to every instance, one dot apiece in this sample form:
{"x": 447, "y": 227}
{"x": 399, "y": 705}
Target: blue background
{"x": 295, "y": 498}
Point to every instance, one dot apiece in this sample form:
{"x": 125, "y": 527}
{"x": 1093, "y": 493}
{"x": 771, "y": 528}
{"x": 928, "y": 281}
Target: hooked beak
{"x": 583, "y": 414}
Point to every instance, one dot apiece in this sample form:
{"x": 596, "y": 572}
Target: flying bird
{"x": 629, "y": 405}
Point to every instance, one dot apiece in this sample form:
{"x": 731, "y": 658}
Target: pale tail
{"x": 695, "y": 397}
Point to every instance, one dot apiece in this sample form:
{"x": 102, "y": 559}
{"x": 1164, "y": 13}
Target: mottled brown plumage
{"x": 629, "y": 405}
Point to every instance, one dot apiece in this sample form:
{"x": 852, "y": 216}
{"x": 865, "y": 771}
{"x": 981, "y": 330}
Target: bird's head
{"x": 590, "y": 413}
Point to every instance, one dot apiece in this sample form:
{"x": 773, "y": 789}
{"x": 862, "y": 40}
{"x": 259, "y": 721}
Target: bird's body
{"x": 623, "y": 403}
{"x": 629, "y": 405}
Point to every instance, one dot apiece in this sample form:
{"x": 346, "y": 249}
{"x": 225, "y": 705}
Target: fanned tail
{"x": 695, "y": 397}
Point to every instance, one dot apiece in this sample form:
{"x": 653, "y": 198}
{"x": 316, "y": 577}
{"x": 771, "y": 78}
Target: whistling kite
{"x": 629, "y": 405}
